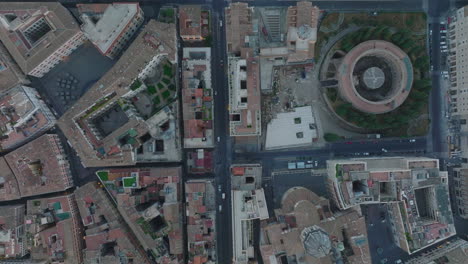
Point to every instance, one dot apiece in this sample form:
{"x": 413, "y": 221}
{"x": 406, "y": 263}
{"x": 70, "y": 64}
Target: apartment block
{"x": 193, "y": 23}
{"x": 302, "y": 22}
{"x": 23, "y": 116}
{"x": 38, "y": 167}
{"x": 238, "y": 26}
{"x": 244, "y": 96}
{"x": 122, "y": 119}
{"x": 199, "y": 161}
{"x": 38, "y": 35}
{"x": 413, "y": 188}
{"x": 201, "y": 214}
{"x": 306, "y": 230}
{"x": 149, "y": 200}
{"x": 12, "y": 236}
{"x": 110, "y": 26}
{"x": 53, "y": 230}
{"x": 107, "y": 239}
{"x": 197, "y": 98}
{"x": 453, "y": 252}
{"x": 10, "y": 74}
{"x": 248, "y": 206}
{"x": 459, "y": 189}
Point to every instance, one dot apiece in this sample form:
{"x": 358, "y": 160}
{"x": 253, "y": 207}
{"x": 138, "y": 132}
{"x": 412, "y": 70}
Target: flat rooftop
{"x": 190, "y": 20}
{"x": 197, "y": 98}
{"x": 102, "y": 27}
{"x": 414, "y": 187}
{"x": 30, "y": 47}
{"x": 244, "y": 96}
{"x": 238, "y": 26}
{"x": 116, "y": 241}
{"x": 54, "y": 222}
{"x": 40, "y": 167}
{"x": 23, "y": 115}
{"x": 12, "y": 219}
{"x": 10, "y": 74}
{"x": 290, "y": 129}
{"x": 9, "y": 188}
{"x": 156, "y": 40}
{"x": 149, "y": 201}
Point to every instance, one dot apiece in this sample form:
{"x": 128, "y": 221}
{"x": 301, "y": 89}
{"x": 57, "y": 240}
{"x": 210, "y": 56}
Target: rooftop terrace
{"x": 155, "y": 42}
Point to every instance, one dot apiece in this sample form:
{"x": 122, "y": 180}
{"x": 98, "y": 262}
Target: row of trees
{"x": 403, "y": 39}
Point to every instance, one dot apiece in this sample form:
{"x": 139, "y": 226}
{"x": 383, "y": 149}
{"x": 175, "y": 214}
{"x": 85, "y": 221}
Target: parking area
{"x": 70, "y": 79}
{"x": 383, "y": 249}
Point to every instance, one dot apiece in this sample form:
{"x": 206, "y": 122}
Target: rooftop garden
{"x": 339, "y": 172}
{"x": 129, "y": 182}
{"x": 103, "y": 175}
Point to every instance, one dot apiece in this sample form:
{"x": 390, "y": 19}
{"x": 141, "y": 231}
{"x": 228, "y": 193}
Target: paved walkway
{"x": 334, "y": 26}
{"x": 331, "y": 42}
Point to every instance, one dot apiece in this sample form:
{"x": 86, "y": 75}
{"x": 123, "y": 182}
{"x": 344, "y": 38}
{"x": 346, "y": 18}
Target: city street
{"x": 434, "y": 145}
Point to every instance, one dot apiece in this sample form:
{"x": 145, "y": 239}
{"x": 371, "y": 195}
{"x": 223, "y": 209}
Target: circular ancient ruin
{"x": 375, "y": 76}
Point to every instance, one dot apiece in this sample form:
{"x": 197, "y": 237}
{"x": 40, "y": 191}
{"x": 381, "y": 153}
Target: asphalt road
{"x": 379, "y": 234}
{"x": 437, "y": 12}
{"x": 224, "y": 155}
{"x": 223, "y": 151}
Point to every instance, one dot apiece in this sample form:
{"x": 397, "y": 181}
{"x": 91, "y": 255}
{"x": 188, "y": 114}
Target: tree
{"x": 422, "y": 62}
{"x": 208, "y": 40}
{"x": 343, "y": 109}
{"x": 331, "y": 137}
{"x": 418, "y": 96}
{"x": 366, "y": 35}
{"x": 386, "y": 34}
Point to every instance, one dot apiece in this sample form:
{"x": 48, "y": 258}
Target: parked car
{"x": 316, "y": 163}
{"x": 384, "y": 150}
{"x": 219, "y": 139}
{"x": 382, "y": 217}
{"x": 220, "y": 208}
{"x": 223, "y": 196}
{"x": 412, "y": 140}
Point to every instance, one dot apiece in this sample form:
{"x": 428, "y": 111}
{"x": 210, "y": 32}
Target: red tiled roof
{"x": 238, "y": 171}
{"x": 198, "y": 92}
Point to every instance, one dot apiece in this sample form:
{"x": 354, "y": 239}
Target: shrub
{"x": 151, "y": 89}
{"x": 135, "y": 85}
{"x": 332, "y": 94}
{"x": 331, "y": 137}
{"x": 167, "y": 70}
{"x": 166, "y": 94}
